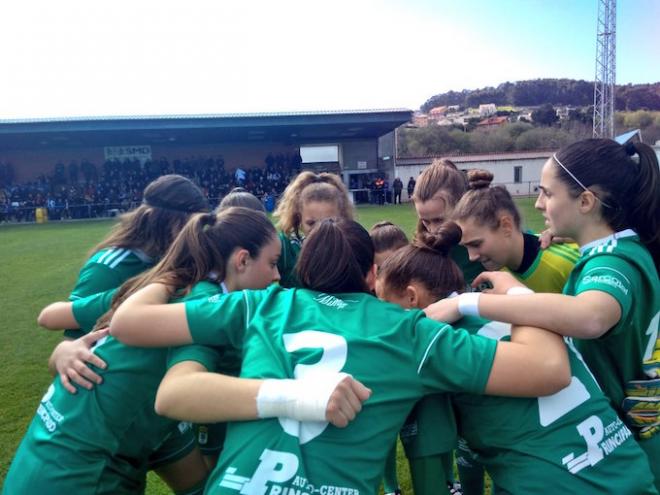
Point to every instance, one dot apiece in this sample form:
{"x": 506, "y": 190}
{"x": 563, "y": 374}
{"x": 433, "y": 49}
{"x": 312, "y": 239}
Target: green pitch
{"x": 39, "y": 264}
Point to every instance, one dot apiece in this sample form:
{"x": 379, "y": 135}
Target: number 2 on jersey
{"x": 333, "y": 359}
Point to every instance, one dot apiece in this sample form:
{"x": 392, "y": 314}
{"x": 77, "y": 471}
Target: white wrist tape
{"x": 517, "y": 291}
{"x": 468, "y": 304}
{"x": 303, "y": 400}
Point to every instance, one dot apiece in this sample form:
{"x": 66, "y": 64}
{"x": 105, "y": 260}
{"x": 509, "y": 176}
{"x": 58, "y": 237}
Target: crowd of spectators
{"x": 83, "y": 190}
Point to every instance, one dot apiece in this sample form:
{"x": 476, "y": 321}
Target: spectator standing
{"x": 411, "y": 188}
{"x": 397, "y": 186}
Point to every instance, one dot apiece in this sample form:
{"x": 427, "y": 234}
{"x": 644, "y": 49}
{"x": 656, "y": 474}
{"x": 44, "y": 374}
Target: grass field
{"x": 39, "y": 264}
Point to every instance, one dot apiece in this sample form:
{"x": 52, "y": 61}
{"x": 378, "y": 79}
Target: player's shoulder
{"x": 622, "y": 251}
{"x": 558, "y": 253}
{"x": 117, "y": 257}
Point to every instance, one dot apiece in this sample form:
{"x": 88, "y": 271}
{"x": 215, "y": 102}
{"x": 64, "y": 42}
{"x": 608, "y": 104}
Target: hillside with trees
{"x": 536, "y": 92}
{"x": 522, "y": 116}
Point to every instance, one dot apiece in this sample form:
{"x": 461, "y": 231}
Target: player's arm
{"x": 189, "y": 392}
{"x": 533, "y": 364}
{"x": 57, "y": 316}
{"x": 145, "y": 319}
{"x": 588, "y": 315}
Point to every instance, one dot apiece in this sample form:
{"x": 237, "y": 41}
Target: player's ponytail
{"x": 426, "y": 261}
{"x": 484, "y": 203}
{"x": 644, "y": 211}
{"x": 336, "y": 257}
{"x": 625, "y": 179}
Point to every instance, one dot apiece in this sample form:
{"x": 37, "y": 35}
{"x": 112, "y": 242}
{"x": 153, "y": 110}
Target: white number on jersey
{"x": 333, "y": 359}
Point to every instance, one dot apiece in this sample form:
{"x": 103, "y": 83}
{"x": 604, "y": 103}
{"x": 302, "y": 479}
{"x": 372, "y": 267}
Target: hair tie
{"x": 630, "y": 148}
{"x": 209, "y": 221}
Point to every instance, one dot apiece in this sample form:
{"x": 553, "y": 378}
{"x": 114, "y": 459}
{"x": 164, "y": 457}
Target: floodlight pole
{"x": 604, "y": 84}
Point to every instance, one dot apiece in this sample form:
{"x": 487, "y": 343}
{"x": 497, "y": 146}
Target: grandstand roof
{"x": 299, "y": 127}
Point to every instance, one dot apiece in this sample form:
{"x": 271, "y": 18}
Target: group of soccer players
{"x": 224, "y": 382}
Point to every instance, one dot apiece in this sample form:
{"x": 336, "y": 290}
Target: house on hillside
{"x": 487, "y": 110}
{"x": 492, "y": 122}
{"x": 420, "y": 120}
{"x": 437, "y": 113}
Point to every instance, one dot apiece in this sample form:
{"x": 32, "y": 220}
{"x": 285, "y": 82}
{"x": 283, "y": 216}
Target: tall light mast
{"x": 605, "y": 70}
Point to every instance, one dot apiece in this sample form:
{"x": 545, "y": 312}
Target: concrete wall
{"x": 502, "y": 170}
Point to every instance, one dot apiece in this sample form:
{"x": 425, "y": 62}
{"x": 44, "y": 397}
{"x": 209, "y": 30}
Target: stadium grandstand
{"x": 96, "y": 167}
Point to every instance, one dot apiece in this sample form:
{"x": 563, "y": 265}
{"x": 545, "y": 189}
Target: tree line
{"x": 536, "y": 92}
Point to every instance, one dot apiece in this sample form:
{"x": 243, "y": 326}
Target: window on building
{"x": 517, "y": 174}
{"x": 319, "y": 153}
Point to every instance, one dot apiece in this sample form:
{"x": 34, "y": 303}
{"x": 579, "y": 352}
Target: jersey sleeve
{"x": 220, "y": 320}
{"x": 202, "y": 354}
{"x": 452, "y": 360}
{"x": 612, "y": 275}
{"x": 88, "y": 309}
{"x": 95, "y": 278}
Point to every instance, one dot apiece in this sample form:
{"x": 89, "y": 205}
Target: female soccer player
{"x": 571, "y": 441}
{"x": 491, "y": 232}
{"x": 606, "y": 197}
{"x": 324, "y": 328}
{"x": 387, "y": 238}
{"x": 439, "y": 187}
{"x": 308, "y": 199}
{"x": 437, "y": 190}
{"x": 137, "y": 242}
{"x": 105, "y": 439}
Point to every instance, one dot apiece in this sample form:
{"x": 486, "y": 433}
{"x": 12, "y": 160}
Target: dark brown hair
{"x": 201, "y": 249}
{"x": 426, "y": 260}
{"x": 336, "y": 257}
{"x": 628, "y": 188}
{"x": 385, "y": 236}
{"x": 168, "y": 203}
{"x": 483, "y": 203}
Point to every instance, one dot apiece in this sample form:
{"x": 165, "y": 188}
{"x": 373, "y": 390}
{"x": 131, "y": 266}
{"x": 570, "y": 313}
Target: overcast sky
{"x": 142, "y": 57}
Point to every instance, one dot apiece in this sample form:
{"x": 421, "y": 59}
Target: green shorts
{"x": 177, "y": 445}
{"x": 423, "y": 435}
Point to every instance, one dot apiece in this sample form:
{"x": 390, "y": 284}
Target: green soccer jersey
{"x": 285, "y": 333}
{"x": 623, "y": 268}
{"x": 100, "y": 440}
{"x": 571, "y": 441}
{"x": 107, "y": 269}
{"x": 87, "y": 310}
{"x": 291, "y": 245}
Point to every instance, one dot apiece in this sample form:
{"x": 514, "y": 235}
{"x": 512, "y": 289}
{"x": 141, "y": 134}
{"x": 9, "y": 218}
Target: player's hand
{"x": 445, "y": 310}
{"x": 500, "y": 282}
{"x": 346, "y": 401}
{"x": 71, "y": 360}
{"x": 546, "y": 239}
{"x": 642, "y": 406}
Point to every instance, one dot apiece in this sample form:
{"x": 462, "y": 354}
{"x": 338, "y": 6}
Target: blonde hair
{"x": 307, "y": 187}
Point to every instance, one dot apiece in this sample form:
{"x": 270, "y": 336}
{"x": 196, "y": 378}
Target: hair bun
{"x": 447, "y": 236}
{"x": 479, "y": 179}
{"x": 630, "y": 148}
